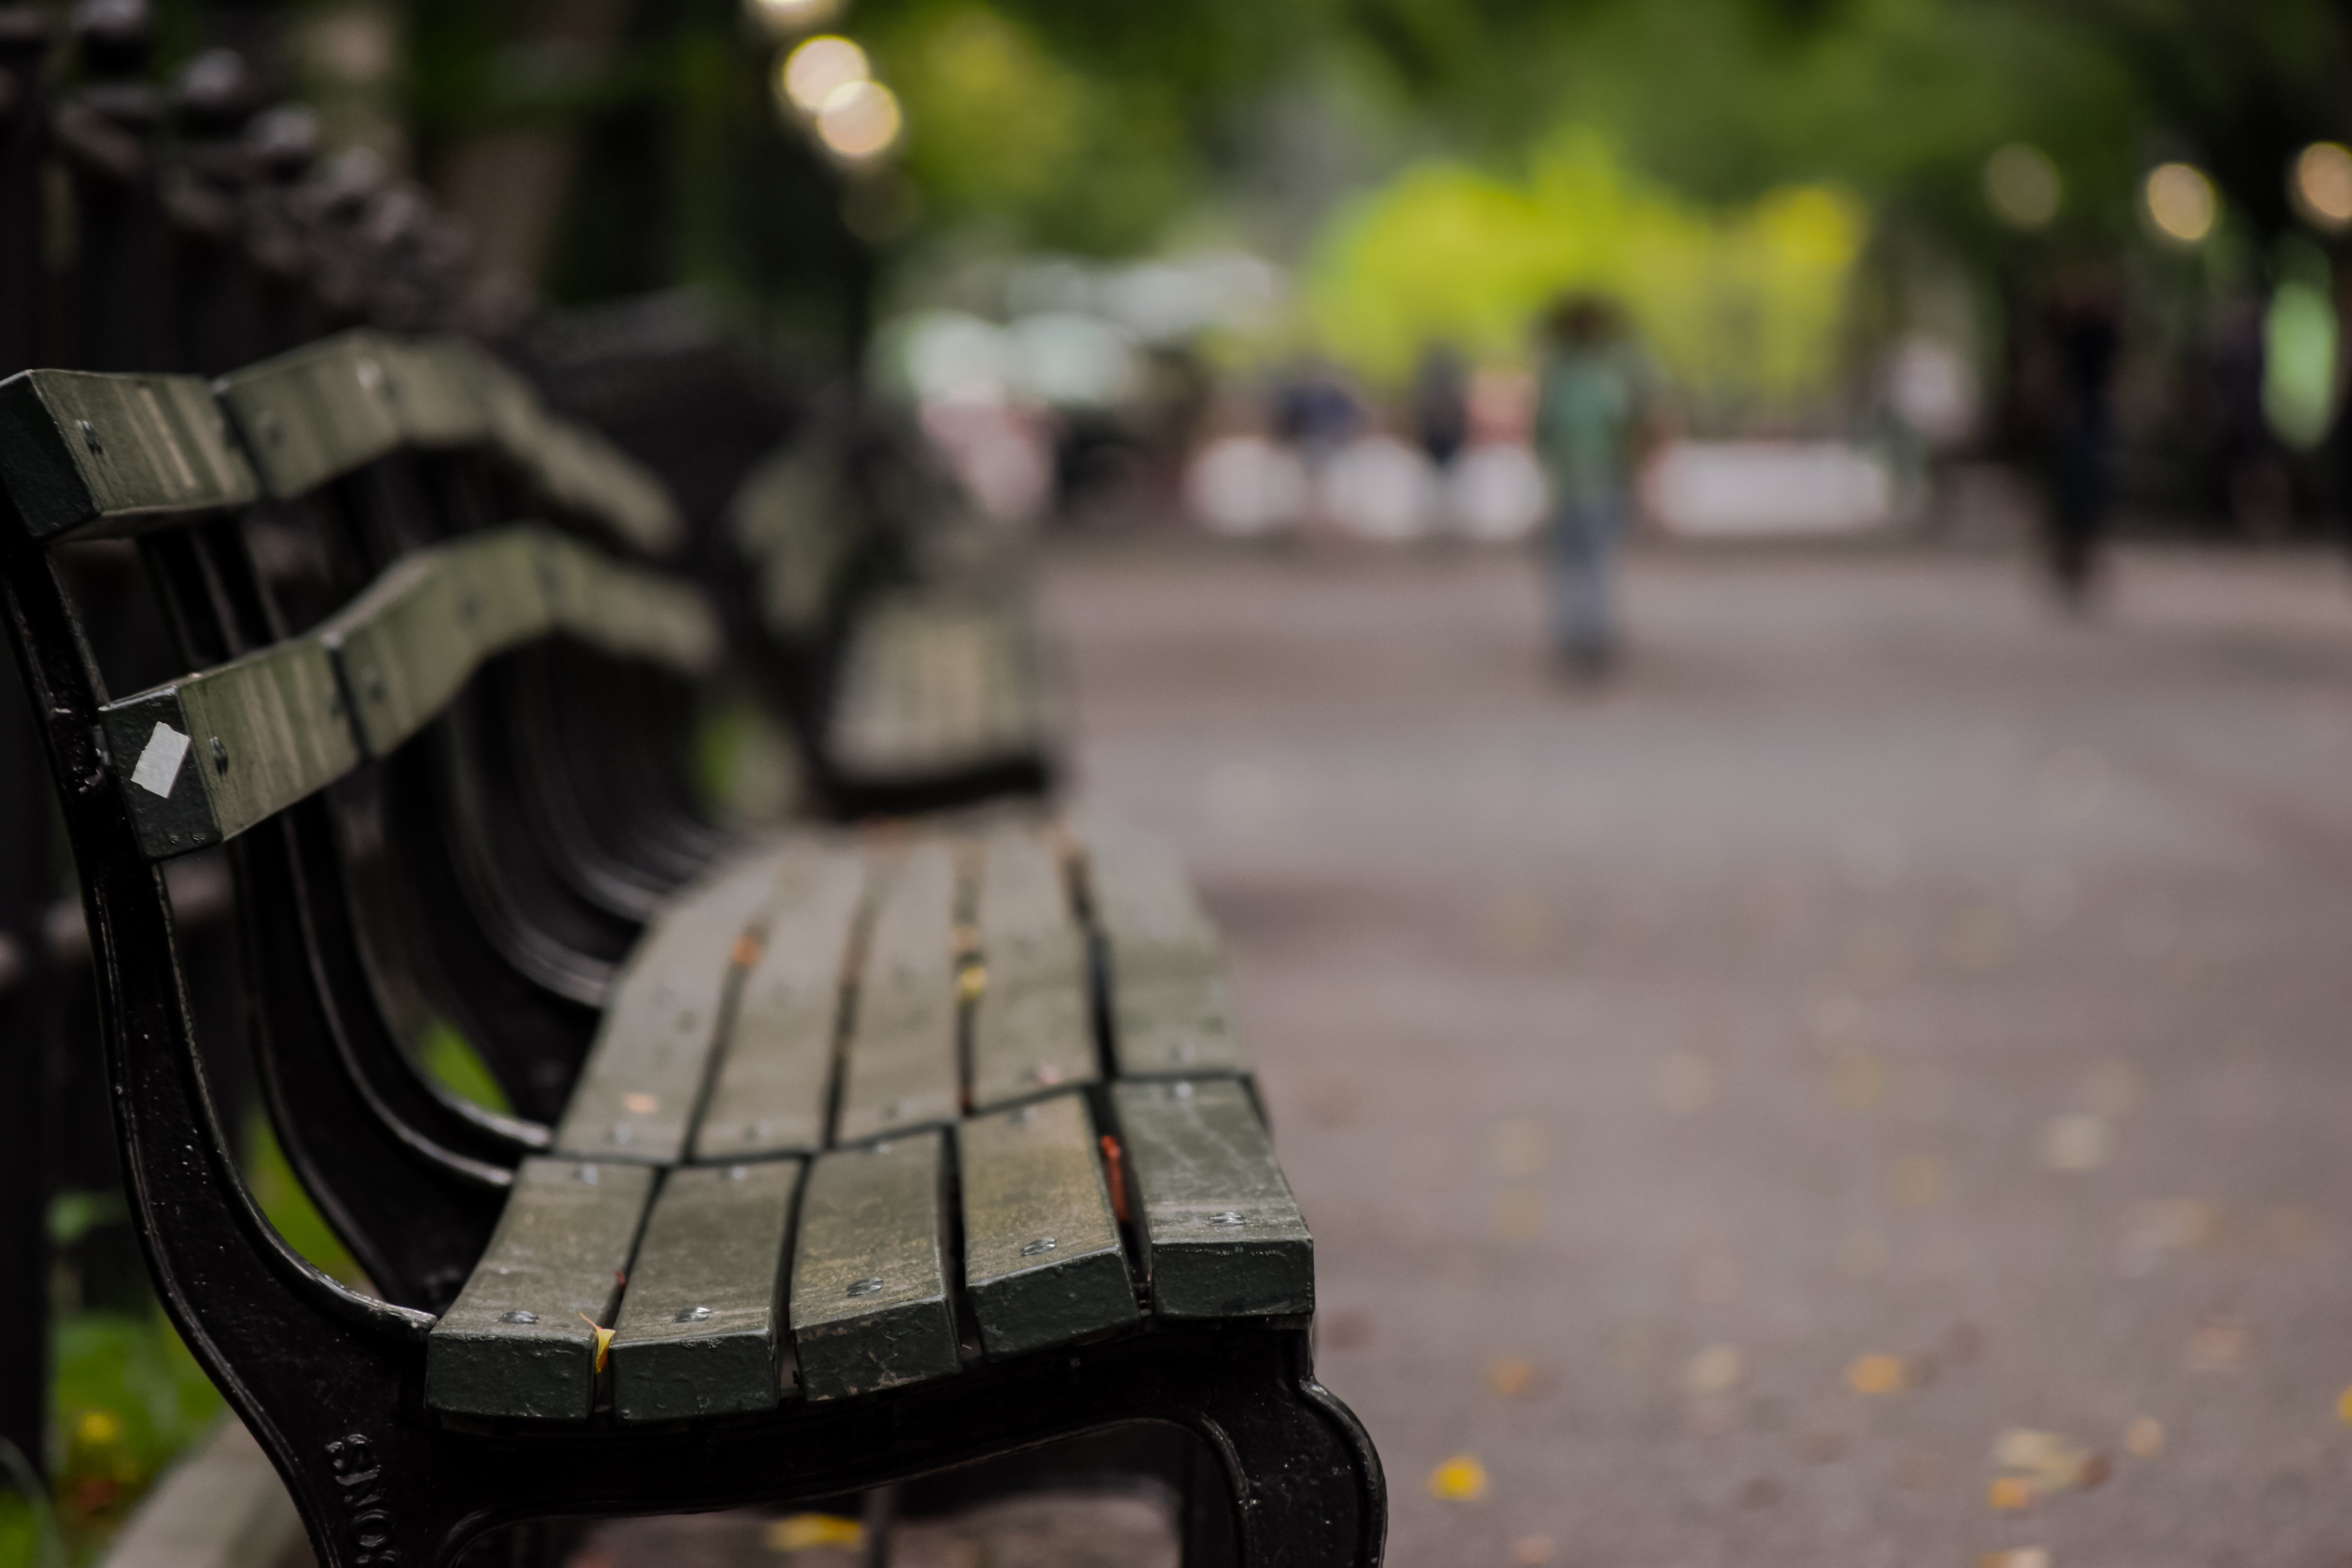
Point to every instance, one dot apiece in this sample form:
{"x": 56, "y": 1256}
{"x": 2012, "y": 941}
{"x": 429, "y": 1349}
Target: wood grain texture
{"x": 517, "y": 1340}
{"x": 869, "y": 1290}
{"x": 775, "y": 1081}
{"x": 701, "y": 1329}
{"x": 1222, "y": 1234}
{"x": 1033, "y": 1023}
{"x": 1171, "y": 1012}
{"x": 901, "y": 1070}
{"x": 1043, "y": 1264}
{"x": 642, "y": 1082}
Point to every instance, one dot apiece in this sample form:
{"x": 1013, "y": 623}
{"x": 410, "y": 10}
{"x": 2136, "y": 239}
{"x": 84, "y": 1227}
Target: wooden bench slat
{"x": 869, "y": 1293}
{"x": 104, "y": 454}
{"x": 1033, "y": 1025}
{"x": 701, "y": 1327}
{"x": 314, "y": 414}
{"x": 410, "y": 642}
{"x": 433, "y": 397}
{"x": 900, "y": 1069}
{"x": 1222, "y": 1234}
{"x": 1041, "y": 1251}
{"x": 1171, "y": 1012}
{"x": 629, "y": 613}
{"x": 514, "y": 1342}
{"x": 643, "y": 1078}
{"x": 207, "y": 756}
{"x": 776, "y": 1073}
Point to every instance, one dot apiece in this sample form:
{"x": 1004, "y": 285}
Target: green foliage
{"x": 1738, "y": 306}
{"x": 449, "y": 1057}
{"x": 288, "y": 1208}
{"x": 1901, "y": 100}
{"x": 1003, "y": 130}
{"x": 128, "y": 1398}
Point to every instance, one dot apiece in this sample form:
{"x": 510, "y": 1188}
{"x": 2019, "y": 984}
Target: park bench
{"x": 885, "y": 1155}
{"x": 902, "y": 623}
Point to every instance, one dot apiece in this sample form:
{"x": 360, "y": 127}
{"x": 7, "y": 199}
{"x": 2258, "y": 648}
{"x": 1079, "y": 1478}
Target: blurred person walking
{"x": 2082, "y": 337}
{"x": 1440, "y": 404}
{"x": 1592, "y": 418}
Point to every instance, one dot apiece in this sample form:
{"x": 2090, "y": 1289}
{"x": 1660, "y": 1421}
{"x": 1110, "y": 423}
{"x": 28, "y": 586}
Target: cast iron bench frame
{"x": 331, "y": 1381}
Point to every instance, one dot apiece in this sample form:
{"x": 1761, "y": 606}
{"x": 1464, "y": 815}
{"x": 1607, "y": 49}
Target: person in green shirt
{"x": 1591, "y": 416}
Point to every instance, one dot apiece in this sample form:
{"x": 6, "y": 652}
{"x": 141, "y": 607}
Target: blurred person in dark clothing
{"x": 1315, "y": 413}
{"x": 1591, "y": 416}
{"x": 1440, "y": 404}
{"x": 2082, "y": 337}
{"x": 2256, "y": 494}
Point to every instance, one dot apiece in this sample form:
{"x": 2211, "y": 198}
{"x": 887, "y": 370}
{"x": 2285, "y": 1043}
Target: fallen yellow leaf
{"x": 798, "y": 1531}
{"x": 1459, "y": 1479}
{"x": 2009, "y": 1494}
{"x": 2051, "y": 1461}
{"x": 97, "y": 1427}
{"x": 1876, "y": 1375}
{"x": 1510, "y": 1375}
{"x": 2143, "y": 1438}
{"x": 604, "y": 1340}
{"x": 2016, "y": 1557}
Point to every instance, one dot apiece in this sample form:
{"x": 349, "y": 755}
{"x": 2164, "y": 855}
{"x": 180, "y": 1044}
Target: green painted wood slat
{"x": 518, "y": 1340}
{"x": 207, "y": 756}
{"x": 314, "y": 414}
{"x": 435, "y": 397}
{"x": 775, "y": 1076}
{"x": 408, "y": 645}
{"x": 869, "y": 1291}
{"x": 1041, "y": 1250}
{"x": 1033, "y": 1023}
{"x": 1171, "y": 1011}
{"x": 900, "y": 1069}
{"x": 89, "y": 454}
{"x": 642, "y": 1082}
{"x": 701, "y": 1329}
{"x": 1222, "y": 1234}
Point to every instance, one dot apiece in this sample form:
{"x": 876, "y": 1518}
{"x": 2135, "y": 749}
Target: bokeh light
{"x": 820, "y": 67}
{"x": 860, "y": 119}
{"x": 2181, "y": 202}
{"x": 789, "y": 18}
{"x": 2321, "y": 186}
{"x": 2023, "y": 186}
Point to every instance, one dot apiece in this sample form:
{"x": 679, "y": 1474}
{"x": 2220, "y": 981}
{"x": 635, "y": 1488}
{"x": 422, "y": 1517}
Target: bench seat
{"x": 933, "y": 689}
{"x": 847, "y": 1126}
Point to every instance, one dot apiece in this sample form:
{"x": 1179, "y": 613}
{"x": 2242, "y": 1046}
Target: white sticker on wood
{"x": 159, "y": 765}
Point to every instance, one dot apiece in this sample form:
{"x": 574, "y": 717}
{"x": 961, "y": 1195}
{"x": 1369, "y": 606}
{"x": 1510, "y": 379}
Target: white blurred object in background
{"x": 1071, "y": 361}
{"x": 1378, "y": 488}
{"x": 1001, "y": 452}
{"x": 1932, "y": 390}
{"x": 1755, "y": 489}
{"x": 1244, "y": 486}
{"x": 1496, "y": 493}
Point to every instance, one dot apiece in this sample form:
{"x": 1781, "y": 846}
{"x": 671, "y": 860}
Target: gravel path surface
{"x": 1865, "y": 1087}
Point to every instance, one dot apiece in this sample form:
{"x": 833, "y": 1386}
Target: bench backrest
{"x": 270, "y": 720}
{"x": 206, "y": 757}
